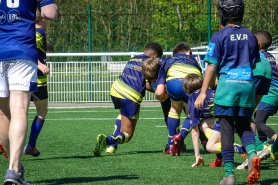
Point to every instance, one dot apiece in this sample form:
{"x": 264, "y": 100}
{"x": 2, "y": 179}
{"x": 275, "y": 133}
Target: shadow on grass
{"x": 86, "y": 179}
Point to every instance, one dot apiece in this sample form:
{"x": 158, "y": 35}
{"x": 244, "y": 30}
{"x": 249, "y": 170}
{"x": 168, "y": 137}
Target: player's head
{"x": 182, "y": 47}
{"x": 230, "y": 10}
{"x": 153, "y": 49}
{"x": 150, "y": 68}
{"x": 191, "y": 83}
{"x": 40, "y": 20}
{"x": 264, "y": 39}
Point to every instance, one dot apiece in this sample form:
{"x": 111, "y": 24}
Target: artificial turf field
{"x": 68, "y": 137}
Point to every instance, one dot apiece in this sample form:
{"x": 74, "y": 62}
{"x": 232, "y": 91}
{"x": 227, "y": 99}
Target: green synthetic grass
{"x": 68, "y": 137}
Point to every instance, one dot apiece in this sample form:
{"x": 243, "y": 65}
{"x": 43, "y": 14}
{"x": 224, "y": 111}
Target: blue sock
{"x": 117, "y": 138}
{"x": 37, "y": 125}
{"x": 117, "y": 129}
{"x": 248, "y": 141}
{"x": 228, "y": 159}
{"x": 186, "y": 128}
{"x": 219, "y": 155}
{"x": 173, "y": 125}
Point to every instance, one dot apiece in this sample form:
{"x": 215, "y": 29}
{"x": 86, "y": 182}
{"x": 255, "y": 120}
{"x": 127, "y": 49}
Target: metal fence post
{"x": 90, "y": 50}
{"x": 209, "y": 20}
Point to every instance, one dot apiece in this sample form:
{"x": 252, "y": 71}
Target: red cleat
{"x": 2, "y": 150}
{"x": 216, "y": 163}
{"x": 175, "y": 149}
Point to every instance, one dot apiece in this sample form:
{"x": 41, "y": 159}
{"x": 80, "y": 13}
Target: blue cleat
{"x": 28, "y": 150}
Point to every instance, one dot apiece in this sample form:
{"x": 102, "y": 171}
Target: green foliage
{"x": 125, "y": 26}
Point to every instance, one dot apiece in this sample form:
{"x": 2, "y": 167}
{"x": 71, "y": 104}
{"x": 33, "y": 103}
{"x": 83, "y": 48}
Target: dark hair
{"x": 155, "y": 47}
{"x": 150, "y": 68}
{"x": 264, "y": 38}
{"x": 230, "y": 10}
{"x": 191, "y": 83}
{"x": 181, "y": 47}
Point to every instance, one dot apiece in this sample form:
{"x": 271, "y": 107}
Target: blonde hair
{"x": 150, "y": 68}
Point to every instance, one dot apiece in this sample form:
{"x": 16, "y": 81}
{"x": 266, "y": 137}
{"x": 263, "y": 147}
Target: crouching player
{"x": 127, "y": 93}
{"x": 199, "y": 118}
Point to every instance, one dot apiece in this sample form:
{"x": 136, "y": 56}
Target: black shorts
{"x": 42, "y": 94}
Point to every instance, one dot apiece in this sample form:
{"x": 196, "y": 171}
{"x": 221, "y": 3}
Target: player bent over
{"x": 127, "y": 93}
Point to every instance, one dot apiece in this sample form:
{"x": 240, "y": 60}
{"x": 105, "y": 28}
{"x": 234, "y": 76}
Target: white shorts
{"x": 17, "y": 75}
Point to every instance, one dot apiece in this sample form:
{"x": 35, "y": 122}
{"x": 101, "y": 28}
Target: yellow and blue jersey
{"x": 178, "y": 67}
{"x": 131, "y": 84}
{"x": 41, "y": 49}
{"x": 196, "y": 115}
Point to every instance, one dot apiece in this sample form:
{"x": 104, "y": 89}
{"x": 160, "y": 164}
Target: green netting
{"x": 128, "y": 26}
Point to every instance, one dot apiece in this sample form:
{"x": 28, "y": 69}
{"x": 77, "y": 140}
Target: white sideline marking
{"x": 88, "y": 111}
{"x": 74, "y": 119}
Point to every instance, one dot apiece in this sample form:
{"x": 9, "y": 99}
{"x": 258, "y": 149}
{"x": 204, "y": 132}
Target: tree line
{"x": 124, "y": 26}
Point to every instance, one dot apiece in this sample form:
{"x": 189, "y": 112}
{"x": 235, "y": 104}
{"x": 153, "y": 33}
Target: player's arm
{"x": 160, "y": 92}
{"x": 195, "y": 141}
{"x": 49, "y": 11}
{"x": 148, "y": 86}
{"x": 43, "y": 68}
{"x": 208, "y": 79}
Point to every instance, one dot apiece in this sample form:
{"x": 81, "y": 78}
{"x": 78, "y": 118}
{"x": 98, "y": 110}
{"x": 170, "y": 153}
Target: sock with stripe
{"x": 173, "y": 125}
{"x": 248, "y": 141}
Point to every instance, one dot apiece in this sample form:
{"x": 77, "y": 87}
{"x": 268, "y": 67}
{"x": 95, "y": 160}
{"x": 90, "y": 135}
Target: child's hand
{"x": 199, "y": 102}
{"x": 44, "y": 69}
{"x": 199, "y": 160}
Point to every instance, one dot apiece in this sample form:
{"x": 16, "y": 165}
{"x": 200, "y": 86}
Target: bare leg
{"x": 42, "y": 108}
{"x": 128, "y": 126}
{"x": 19, "y": 104}
{"x": 5, "y": 123}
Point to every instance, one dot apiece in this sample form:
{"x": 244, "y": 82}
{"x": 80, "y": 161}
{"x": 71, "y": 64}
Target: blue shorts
{"x": 128, "y": 108}
{"x": 220, "y": 110}
{"x": 267, "y": 108}
{"x": 175, "y": 91}
{"x": 216, "y": 126}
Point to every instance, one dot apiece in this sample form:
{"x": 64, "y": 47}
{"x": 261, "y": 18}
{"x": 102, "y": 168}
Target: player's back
{"x": 17, "y": 30}
{"x": 180, "y": 65}
{"x": 234, "y": 49}
{"x": 208, "y": 107}
{"x": 132, "y": 75}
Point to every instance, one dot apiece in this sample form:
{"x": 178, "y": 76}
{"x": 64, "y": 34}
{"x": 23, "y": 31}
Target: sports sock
{"x": 262, "y": 136}
{"x": 228, "y": 159}
{"x": 258, "y": 143}
{"x": 117, "y": 138}
{"x": 219, "y": 155}
{"x": 36, "y": 127}
{"x": 173, "y": 125}
{"x": 186, "y": 128}
{"x": 248, "y": 141}
{"x": 117, "y": 128}
{"x": 274, "y": 147}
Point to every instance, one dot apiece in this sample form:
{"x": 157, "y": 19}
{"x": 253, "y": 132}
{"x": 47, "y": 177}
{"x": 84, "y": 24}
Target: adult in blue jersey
{"x": 18, "y": 79}
{"x": 269, "y": 103}
{"x": 231, "y": 54}
{"x": 170, "y": 77}
{"x": 40, "y": 98}
{"x": 127, "y": 93}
